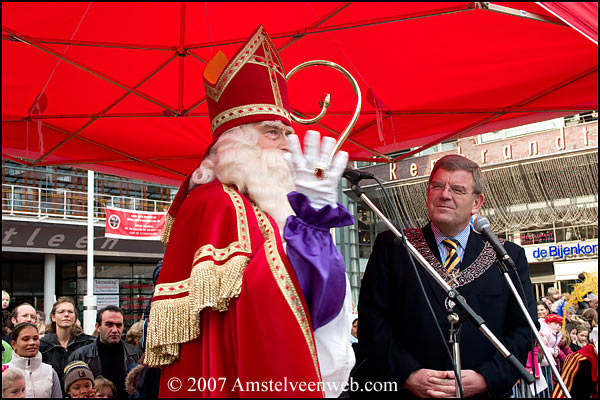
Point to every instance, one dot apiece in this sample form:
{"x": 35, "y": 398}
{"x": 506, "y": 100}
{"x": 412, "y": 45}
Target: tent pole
{"x": 89, "y": 301}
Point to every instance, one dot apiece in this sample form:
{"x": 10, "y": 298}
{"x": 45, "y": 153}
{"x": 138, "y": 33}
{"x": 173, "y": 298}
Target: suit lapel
{"x": 474, "y": 247}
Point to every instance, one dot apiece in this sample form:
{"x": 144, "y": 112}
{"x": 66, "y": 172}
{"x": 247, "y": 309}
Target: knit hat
{"x": 75, "y": 371}
{"x": 554, "y": 318}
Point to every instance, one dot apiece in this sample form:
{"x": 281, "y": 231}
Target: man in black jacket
{"x": 396, "y": 326}
{"x": 109, "y": 355}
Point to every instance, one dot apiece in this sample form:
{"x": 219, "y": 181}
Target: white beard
{"x": 265, "y": 178}
{"x": 262, "y": 175}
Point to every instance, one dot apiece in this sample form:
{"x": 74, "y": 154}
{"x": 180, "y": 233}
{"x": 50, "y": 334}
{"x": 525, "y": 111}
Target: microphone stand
{"x": 454, "y": 319}
{"x": 452, "y": 294}
{"x": 502, "y": 266}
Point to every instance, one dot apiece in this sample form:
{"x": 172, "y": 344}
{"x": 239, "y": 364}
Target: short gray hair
{"x": 454, "y": 162}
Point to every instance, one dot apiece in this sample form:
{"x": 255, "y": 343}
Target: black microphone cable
{"x": 421, "y": 286}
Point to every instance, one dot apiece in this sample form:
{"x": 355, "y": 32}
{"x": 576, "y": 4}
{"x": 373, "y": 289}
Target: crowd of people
{"x": 58, "y": 360}
{"x": 567, "y": 330}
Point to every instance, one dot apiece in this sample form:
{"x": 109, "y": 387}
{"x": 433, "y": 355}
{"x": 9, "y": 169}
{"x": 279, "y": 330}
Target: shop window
{"x": 7, "y": 278}
{"x": 132, "y": 291}
{"x": 543, "y": 235}
{"x": 67, "y": 280}
{"x": 135, "y": 294}
{"x": 112, "y": 271}
{"x": 143, "y": 271}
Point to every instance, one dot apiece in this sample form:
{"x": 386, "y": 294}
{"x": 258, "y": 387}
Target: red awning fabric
{"x": 117, "y": 87}
{"x": 583, "y": 17}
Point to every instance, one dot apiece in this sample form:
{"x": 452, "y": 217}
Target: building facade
{"x": 44, "y": 238}
{"x": 541, "y": 192}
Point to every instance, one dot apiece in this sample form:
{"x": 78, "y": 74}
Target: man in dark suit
{"x": 396, "y": 326}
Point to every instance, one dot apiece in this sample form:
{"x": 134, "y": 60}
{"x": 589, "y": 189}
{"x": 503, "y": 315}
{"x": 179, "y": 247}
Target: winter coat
{"x": 54, "y": 354}
{"x": 40, "y": 379}
{"x": 89, "y": 355}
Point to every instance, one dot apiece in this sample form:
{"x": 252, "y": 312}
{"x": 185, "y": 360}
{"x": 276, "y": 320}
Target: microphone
{"x": 354, "y": 176}
{"x": 482, "y": 226}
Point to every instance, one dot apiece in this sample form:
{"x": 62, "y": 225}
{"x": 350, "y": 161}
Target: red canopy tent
{"x": 117, "y": 87}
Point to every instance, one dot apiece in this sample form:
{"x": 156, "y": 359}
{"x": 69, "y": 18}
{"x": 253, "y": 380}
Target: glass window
{"x": 7, "y": 277}
{"x": 105, "y": 270}
{"x": 23, "y": 284}
{"x": 143, "y": 270}
{"x": 556, "y": 123}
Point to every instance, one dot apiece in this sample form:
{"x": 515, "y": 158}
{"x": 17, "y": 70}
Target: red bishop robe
{"x": 580, "y": 374}
{"x": 228, "y": 318}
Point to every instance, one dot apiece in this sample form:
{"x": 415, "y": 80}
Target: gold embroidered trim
{"x": 172, "y": 289}
{"x": 272, "y": 75}
{"x": 242, "y": 244}
{"x": 164, "y": 237}
{"x": 176, "y": 321}
{"x": 215, "y": 92}
{"x": 263, "y": 63}
{"x": 285, "y": 284}
{"x": 249, "y": 109}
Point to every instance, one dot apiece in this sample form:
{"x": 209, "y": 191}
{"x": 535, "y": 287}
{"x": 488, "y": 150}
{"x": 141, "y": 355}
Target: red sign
{"x": 128, "y": 224}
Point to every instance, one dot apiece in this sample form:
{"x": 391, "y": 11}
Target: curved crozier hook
{"x": 320, "y": 171}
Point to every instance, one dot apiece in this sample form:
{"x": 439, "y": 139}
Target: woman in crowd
{"x": 542, "y": 310}
{"x": 13, "y": 384}
{"x": 40, "y": 379}
{"x": 62, "y": 337}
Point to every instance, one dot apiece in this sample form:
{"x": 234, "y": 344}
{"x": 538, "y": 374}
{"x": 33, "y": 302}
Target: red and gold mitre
{"x": 249, "y": 88}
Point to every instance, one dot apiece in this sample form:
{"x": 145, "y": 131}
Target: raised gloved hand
{"x": 320, "y": 192}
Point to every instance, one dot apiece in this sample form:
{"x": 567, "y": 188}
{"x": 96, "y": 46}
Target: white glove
{"x": 320, "y": 192}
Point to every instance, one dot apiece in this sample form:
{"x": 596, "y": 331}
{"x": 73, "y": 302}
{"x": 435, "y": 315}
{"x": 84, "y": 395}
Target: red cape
{"x": 228, "y": 318}
{"x": 571, "y": 369}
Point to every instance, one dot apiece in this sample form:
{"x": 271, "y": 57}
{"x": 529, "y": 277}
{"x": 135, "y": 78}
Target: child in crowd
{"x": 571, "y": 331}
{"x": 132, "y": 378}
{"x": 583, "y": 332}
{"x": 551, "y": 331}
{"x": 79, "y": 380}
{"x": 104, "y": 388}
{"x": 13, "y": 384}
{"x": 5, "y": 299}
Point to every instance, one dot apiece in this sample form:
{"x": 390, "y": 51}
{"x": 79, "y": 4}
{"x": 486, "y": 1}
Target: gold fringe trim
{"x": 164, "y": 237}
{"x": 285, "y": 284}
{"x": 176, "y": 321}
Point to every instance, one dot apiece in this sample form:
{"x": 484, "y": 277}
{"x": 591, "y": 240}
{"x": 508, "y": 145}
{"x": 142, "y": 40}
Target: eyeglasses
{"x": 455, "y": 190}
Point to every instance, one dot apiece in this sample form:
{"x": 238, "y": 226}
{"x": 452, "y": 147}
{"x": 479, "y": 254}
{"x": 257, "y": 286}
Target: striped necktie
{"x": 452, "y": 262}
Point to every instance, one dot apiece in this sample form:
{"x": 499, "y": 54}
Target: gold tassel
{"x": 164, "y": 237}
{"x": 176, "y": 321}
